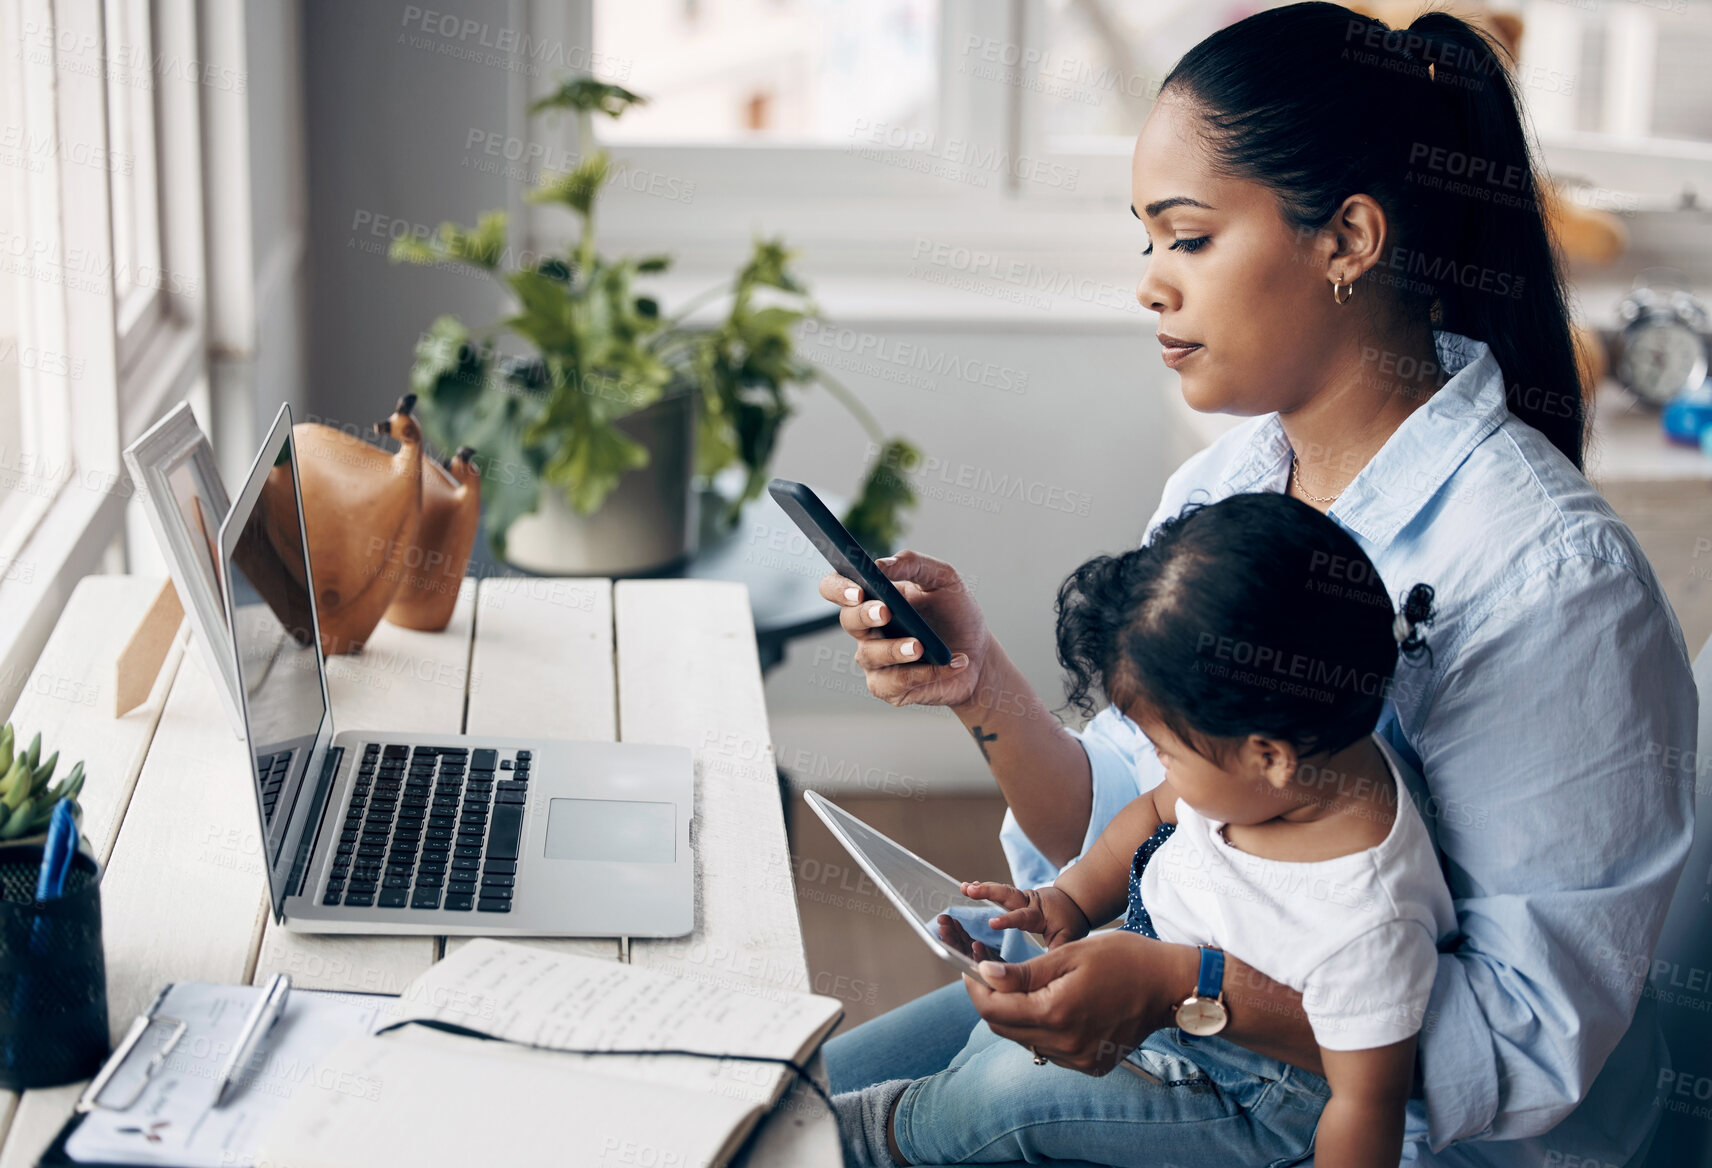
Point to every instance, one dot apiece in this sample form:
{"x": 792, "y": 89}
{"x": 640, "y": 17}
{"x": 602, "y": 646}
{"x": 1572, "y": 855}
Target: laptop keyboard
{"x": 431, "y": 827}
{"x": 271, "y": 770}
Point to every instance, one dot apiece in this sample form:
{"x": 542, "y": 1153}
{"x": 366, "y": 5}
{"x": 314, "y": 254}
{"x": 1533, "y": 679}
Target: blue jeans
{"x": 1216, "y": 1103}
{"x": 1208, "y": 1103}
{"x": 911, "y": 1042}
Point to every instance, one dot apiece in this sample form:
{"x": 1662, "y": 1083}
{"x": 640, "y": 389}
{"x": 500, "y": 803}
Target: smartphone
{"x": 849, "y": 560}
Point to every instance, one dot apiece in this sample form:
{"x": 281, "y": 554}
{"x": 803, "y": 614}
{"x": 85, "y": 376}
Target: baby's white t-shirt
{"x": 1356, "y": 935}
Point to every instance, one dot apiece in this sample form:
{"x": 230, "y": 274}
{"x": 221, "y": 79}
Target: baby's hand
{"x": 1045, "y": 911}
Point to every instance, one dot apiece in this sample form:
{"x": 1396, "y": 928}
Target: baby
{"x": 1253, "y": 643}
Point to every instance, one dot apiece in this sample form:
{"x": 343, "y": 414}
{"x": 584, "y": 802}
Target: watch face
{"x": 1202, "y": 1017}
{"x": 1661, "y": 359}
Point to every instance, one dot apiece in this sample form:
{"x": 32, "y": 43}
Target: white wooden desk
{"x": 170, "y": 807}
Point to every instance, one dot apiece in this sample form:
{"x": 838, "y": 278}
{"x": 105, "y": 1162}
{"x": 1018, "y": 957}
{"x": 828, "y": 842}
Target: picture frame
{"x": 179, "y": 486}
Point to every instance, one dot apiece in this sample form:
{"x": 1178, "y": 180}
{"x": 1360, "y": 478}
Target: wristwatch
{"x": 1203, "y": 1012}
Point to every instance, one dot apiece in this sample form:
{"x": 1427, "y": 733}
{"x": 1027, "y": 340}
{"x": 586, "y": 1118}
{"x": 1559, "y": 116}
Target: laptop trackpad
{"x": 618, "y": 830}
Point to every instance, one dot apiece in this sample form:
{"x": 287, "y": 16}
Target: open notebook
{"x": 449, "y": 1094}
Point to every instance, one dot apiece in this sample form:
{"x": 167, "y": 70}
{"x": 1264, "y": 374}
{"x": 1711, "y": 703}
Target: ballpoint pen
{"x": 57, "y": 852}
{"x": 261, "y": 1019}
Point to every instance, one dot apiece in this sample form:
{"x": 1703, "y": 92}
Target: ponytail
{"x": 1528, "y": 330}
{"x": 1318, "y": 103}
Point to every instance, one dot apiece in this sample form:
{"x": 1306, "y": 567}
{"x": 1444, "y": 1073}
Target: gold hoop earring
{"x": 1342, "y": 292}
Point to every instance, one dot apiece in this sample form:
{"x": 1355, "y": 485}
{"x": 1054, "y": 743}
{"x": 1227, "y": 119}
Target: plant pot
{"x": 648, "y": 524}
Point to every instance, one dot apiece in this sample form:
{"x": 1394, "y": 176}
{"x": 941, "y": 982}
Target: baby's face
{"x": 1226, "y": 791}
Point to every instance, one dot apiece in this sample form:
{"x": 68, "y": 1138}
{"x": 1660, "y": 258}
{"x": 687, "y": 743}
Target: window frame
{"x": 858, "y": 216}
{"x": 852, "y": 198}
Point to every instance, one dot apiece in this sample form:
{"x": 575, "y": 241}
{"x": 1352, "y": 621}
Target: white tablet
{"x": 932, "y": 903}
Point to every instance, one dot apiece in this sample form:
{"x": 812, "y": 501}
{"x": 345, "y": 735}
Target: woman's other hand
{"x": 893, "y": 665}
{"x": 1047, "y": 912}
{"x": 1086, "y": 1005}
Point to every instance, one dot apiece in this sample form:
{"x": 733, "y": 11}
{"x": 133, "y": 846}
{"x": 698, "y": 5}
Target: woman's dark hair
{"x": 1252, "y": 615}
{"x": 1318, "y": 103}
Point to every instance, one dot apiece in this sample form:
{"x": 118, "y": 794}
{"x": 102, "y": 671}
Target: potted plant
{"x": 592, "y": 433}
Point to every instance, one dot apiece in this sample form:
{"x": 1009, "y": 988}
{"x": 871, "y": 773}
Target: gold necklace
{"x": 1296, "y": 477}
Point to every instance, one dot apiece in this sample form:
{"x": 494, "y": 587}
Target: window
{"x": 36, "y": 374}
{"x": 1632, "y": 70}
{"x": 771, "y": 70}
{"x": 1604, "y": 84}
{"x": 100, "y": 308}
{"x": 992, "y": 113}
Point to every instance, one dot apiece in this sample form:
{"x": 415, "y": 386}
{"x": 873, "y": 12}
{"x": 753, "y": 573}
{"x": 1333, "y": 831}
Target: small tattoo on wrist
{"x": 981, "y": 740}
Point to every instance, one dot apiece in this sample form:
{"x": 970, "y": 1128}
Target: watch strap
{"x": 1210, "y": 983}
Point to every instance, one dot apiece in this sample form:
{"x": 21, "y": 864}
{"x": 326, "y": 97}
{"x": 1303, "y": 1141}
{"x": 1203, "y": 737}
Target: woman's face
{"x": 1227, "y": 273}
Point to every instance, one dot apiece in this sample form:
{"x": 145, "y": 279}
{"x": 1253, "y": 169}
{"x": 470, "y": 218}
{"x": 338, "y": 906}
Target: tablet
{"x": 931, "y": 903}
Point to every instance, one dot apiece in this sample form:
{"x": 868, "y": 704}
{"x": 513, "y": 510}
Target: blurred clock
{"x": 1661, "y": 350}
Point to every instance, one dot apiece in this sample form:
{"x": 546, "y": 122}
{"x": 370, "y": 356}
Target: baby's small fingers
{"x": 1003, "y": 895}
{"x": 1020, "y": 919}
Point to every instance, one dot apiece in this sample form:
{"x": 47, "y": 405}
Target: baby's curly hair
{"x": 1252, "y": 615}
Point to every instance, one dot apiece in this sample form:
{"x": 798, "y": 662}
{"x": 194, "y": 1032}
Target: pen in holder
{"x": 53, "y": 980}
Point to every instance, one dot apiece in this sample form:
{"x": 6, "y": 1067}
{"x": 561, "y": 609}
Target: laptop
{"x": 404, "y": 833}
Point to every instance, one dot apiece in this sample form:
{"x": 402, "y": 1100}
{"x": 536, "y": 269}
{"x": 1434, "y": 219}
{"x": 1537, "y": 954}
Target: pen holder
{"x": 53, "y": 980}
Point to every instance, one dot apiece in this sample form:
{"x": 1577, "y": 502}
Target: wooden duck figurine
{"x": 361, "y": 505}
{"x": 432, "y": 567}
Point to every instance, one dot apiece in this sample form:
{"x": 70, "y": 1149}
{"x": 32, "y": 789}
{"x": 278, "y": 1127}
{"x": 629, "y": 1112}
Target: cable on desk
{"x": 796, "y": 1068}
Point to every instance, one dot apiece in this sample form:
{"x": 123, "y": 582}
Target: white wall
{"x": 389, "y": 112}
{"x": 1086, "y": 435}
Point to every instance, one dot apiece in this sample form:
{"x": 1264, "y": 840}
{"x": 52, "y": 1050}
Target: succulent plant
{"x": 26, "y": 800}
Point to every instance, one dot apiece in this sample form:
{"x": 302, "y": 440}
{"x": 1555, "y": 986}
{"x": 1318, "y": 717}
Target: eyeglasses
{"x": 119, "y": 1078}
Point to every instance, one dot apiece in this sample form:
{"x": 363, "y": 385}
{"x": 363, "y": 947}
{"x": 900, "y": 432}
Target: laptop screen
{"x": 274, "y": 631}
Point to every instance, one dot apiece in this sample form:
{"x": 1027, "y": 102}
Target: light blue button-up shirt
{"x": 1557, "y": 688}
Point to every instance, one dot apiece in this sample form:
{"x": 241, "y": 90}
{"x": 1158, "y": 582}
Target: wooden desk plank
{"x": 543, "y": 659}
{"x": 68, "y": 697}
{"x": 542, "y": 665}
{"x": 688, "y": 674}
{"x": 403, "y": 680}
{"x": 182, "y": 896}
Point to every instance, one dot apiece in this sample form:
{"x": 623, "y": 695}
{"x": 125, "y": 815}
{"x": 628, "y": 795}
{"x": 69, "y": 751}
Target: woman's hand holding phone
{"x": 893, "y": 666}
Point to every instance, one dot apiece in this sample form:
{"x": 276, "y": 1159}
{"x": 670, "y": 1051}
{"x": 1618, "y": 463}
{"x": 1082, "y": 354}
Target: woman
{"x": 1399, "y": 336}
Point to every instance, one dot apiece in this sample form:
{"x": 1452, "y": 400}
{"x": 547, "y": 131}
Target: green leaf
{"x": 449, "y": 378}
{"x": 482, "y": 246}
{"x": 585, "y": 93}
{"x": 769, "y": 266}
{"x": 548, "y": 315}
{"x": 411, "y": 250}
{"x": 575, "y": 188}
{"x": 590, "y": 463}
{"x": 511, "y": 483}
{"x": 876, "y": 518}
